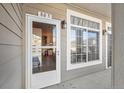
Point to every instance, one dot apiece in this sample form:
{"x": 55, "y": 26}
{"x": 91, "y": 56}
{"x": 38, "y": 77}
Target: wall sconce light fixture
{"x": 63, "y": 24}
{"x": 104, "y": 31}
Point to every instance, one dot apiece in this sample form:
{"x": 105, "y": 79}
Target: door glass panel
{"x": 47, "y": 34}
{"x": 43, "y": 47}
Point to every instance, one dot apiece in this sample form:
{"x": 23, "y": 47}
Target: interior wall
{"x": 46, "y": 30}
{"x": 11, "y": 45}
{"x": 118, "y": 45}
{"x": 59, "y": 12}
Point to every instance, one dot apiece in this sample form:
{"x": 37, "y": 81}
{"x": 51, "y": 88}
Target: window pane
{"x": 78, "y": 49}
{"x": 109, "y": 49}
{"x": 79, "y": 32}
{"x": 73, "y": 32}
{"x": 93, "y": 45}
{"x": 84, "y": 23}
{"x": 98, "y": 25}
{"x": 78, "y": 58}
{"x": 78, "y": 39}
{"x": 73, "y": 42}
{"x": 93, "y": 56}
{"x": 83, "y": 37}
{"x": 83, "y": 50}
{"x": 90, "y": 24}
{"x": 72, "y": 19}
{"x": 89, "y": 57}
{"x": 83, "y": 58}
{"x": 78, "y": 45}
{"x": 73, "y": 59}
{"x": 74, "y": 50}
{"x": 79, "y": 36}
{"x": 80, "y": 22}
{"x": 93, "y": 38}
{"x": 76, "y": 20}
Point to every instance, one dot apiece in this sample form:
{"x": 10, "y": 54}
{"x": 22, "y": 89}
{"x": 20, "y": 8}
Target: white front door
{"x": 42, "y": 52}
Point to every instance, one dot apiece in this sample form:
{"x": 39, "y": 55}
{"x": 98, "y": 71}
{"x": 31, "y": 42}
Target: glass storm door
{"x": 44, "y": 51}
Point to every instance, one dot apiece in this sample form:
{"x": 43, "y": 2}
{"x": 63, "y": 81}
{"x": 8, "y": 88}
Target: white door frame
{"x": 107, "y": 25}
{"x": 28, "y": 38}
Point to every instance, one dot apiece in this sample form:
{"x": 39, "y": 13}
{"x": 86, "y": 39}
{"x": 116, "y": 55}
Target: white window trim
{"x": 80, "y": 65}
{"x": 107, "y": 25}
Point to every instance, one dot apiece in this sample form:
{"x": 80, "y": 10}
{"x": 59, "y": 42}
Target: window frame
{"x": 71, "y": 66}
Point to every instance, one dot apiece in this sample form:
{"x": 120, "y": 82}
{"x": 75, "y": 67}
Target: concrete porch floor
{"x": 99, "y": 80}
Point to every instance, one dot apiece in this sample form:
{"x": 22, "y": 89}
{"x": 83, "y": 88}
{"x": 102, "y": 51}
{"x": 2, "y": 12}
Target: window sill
{"x": 82, "y": 65}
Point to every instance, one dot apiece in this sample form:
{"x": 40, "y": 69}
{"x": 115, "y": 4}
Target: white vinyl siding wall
{"x": 11, "y": 45}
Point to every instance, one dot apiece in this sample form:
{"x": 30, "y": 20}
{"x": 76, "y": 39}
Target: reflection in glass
{"x": 78, "y": 39}
{"x": 73, "y": 59}
{"x": 78, "y": 36}
{"x": 72, "y": 19}
{"x": 83, "y": 37}
{"x": 83, "y": 58}
{"x": 73, "y": 42}
{"x": 93, "y": 45}
{"x": 84, "y": 23}
{"x": 80, "y": 22}
{"x": 78, "y": 49}
{"x": 84, "y": 42}
{"x": 73, "y": 32}
{"x": 78, "y": 45}
{"x": 109, "y": 52}
{"x": 93, "y": 38}
{"x": 78, "y": 58}
{"x": 83, "y": 51}
{"x": 78, "y": 32}
{"x": 76, "y": 20}
{"x": 43, "y": 58}
{"x": 73, "y": 50}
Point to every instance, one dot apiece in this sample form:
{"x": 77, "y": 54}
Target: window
{"x": 84, "y": 40}
{"x": 108, "y": 45}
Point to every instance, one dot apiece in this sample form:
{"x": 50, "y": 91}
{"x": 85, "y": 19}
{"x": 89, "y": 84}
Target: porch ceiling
{"x": 101, "y": 8}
